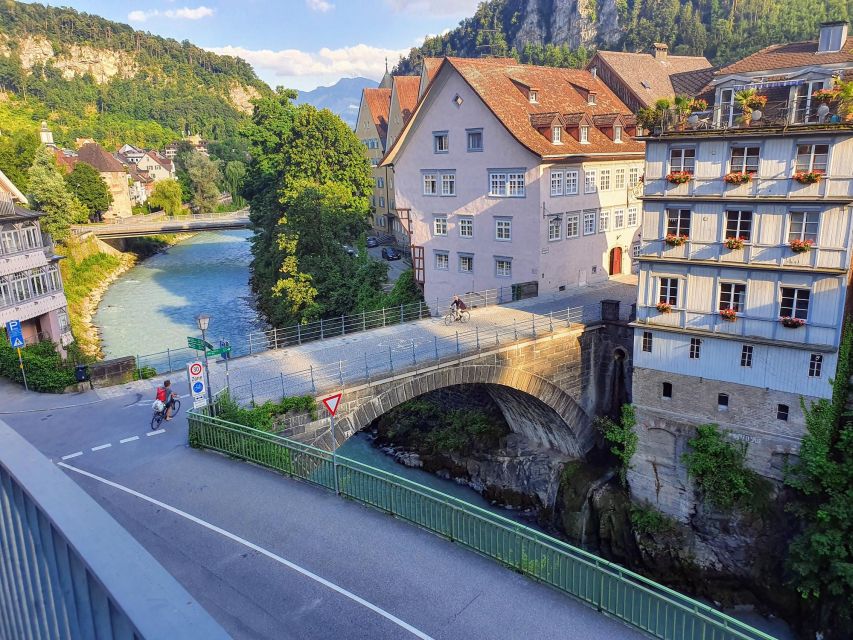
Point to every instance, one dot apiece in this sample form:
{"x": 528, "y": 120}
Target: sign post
{"x": 198, "y": 388}
{"x": 16, "y": 339}
{"x": 332, "y": 403}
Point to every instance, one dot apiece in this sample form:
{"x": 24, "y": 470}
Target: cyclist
{"x": 167, "y": 398}
{"x": 457, "y": 307}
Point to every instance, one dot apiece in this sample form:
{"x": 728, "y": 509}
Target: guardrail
{"x": 611, "y": 589}
{"x": 68, "y": 570}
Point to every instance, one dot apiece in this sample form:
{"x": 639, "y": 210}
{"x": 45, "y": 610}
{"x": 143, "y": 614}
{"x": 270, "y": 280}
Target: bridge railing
{"x": 611, "y": 589}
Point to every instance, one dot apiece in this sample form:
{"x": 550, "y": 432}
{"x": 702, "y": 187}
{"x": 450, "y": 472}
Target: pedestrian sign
{"x": 16, "y": 336}
{"x": 198, "y": 344}
{"x": 332, "y": 403}
{"x": 195, "y": 373}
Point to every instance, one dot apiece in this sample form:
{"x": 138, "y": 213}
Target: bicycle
{"x": 451, "y": 317}
{"x": 159, "y": 416}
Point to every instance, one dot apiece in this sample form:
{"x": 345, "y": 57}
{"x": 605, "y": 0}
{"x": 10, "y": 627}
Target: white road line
{"x": 128, "y": 440}
{"x": 103, "y": 446}
{"x": 269, "y": 554}
{"x": 72, "y": 455}
{"x": 155, "y": 433}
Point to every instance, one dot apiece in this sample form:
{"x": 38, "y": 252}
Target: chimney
{"x": 833, "y": 36}
{"x": 661, "y": 49}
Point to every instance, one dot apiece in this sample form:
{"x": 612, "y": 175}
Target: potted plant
{"x": 826, "y": 95}
{"x": 738, "y": 177}
{"x": 734, "y": 244}
{"x": 697, "y": 104}
{"x": 808, "y": 177}
{"x": 674, "y": 240}
{"x": 801, "y": 246}
{"x": 792, "y": 323}
{"x": 663, "y": 307}
{"x": 729, "y": 315}
{"x": 679, "y": 177}
{"x": 749, "y": 100}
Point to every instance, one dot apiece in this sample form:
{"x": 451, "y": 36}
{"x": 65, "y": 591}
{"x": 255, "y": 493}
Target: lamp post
{"x": 203, "y": 320}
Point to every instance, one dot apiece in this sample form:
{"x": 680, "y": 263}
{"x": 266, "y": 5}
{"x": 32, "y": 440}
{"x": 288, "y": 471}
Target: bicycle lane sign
{"x": 195, "y": 376}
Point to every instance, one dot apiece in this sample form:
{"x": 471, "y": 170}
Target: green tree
{"x": 86, "y": 183}
{"x": 203, "y": 176}
{"x": 50, "y": 194}
{"x": 622, "y": 438}
{"x": 233, "y": 177}
{"x": 167, "y": 196}
{"x": 17, "y": 153}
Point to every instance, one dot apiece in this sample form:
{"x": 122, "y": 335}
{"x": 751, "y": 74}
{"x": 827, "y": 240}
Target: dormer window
{"x": 584, "y": 134}
{"x": 617, "y": 133}
{"x": 590, "y": 98}
{"x": 533, "y": 95}
{"x": 557, "y": 135}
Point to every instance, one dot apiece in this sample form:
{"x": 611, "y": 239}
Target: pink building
{"x": 511, "y": 174}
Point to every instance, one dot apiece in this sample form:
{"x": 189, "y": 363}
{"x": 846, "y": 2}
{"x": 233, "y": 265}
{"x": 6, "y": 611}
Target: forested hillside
{"x": 91, "y": 77}
{"x": 562, "y": 32}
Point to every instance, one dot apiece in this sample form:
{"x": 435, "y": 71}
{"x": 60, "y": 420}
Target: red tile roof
{"x": 431, "y": 66}
{"x": 788, "y": 56}
{"x": 94, "y": 154}
{"x": 379, "y": 104}
{"x": 162, "y": 160}
{"x": 407, "y": 94}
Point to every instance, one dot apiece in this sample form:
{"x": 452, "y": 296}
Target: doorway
{"x": 615, "y": 261}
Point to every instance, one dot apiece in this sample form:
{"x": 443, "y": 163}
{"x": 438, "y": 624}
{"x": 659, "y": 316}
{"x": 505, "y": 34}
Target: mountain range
{"x": 342, "y": 98}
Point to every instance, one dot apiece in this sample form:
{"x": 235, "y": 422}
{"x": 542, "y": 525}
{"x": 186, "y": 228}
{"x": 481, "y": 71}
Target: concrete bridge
{"x": 158, "y": 224}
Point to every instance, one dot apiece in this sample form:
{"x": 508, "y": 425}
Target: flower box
{"x": 807, "y": 177}
{"x": 730, "y": 315}
{"x": 792, "y": 323}
{"x": 755, "y": 101}
{"x": 679, "y": 177}
{"x": 734, "y": 244}
{"x": 675, "y": 241}
{"x": 663, "y": 307}
{"x": 738, "y": 177}
{"x": 801, "y": 246}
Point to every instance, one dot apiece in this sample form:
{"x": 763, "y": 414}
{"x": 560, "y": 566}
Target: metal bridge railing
{"x": 613, "y": 590}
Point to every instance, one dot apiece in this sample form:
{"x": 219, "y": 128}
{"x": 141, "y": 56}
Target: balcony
{"x": 827, "y": 189}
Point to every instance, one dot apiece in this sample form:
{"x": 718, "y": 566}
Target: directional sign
{"x": 332, "y": 403}
{"x": 218, "y": 352}
{"x": 16, "y": 337}
{"x": 196, "y": 343}
{"x": 195, "y": 374}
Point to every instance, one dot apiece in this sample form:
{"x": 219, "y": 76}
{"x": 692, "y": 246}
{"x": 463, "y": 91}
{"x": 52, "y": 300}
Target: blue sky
{"x": 295, "y": 43}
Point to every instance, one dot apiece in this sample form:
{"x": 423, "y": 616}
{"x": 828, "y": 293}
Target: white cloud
{"x": 434, "y": 7}
{"x": 357, "y": 60}
{"x": 323, "y": 6}
{"x": 185, "y": 13}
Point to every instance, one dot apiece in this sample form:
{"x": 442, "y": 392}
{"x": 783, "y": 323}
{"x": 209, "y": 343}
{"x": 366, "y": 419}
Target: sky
{"x": 299, "y": 44}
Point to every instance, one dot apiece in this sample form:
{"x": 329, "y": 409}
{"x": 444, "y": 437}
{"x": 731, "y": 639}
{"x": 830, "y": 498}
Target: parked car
{"x": 372, "y": 241}
{"x": 390, "y": 253}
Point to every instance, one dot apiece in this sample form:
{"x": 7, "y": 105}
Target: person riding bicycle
{"x": 457, "y": 307}
{"x": 166, "y": 397}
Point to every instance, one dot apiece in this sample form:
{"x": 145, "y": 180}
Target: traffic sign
{"x": 218, "y": 352}
{"x": 16, "y": 336}
{"x": 195, "y": 374}
{"x": 332, "y": 403}
{"x": 198, "y": 344}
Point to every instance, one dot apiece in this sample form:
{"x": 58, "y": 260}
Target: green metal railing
{"x": 622, "y": 594}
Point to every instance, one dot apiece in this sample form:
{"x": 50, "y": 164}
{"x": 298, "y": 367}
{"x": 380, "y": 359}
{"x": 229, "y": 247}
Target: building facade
{"x": 744, "y": 265}
{"x": 30, "y": 284}
{"x": 515, "y": 178}
{"x": 372, "y": 129}
{"x": 158, "y": 167}
{"x": 113, "y": 173}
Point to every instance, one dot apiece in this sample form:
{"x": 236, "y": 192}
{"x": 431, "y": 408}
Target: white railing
{"x": 759, "y": 187}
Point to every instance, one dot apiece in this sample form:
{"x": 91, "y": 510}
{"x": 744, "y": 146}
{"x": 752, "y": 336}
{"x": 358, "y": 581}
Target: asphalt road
{"x": 395, "y": 267}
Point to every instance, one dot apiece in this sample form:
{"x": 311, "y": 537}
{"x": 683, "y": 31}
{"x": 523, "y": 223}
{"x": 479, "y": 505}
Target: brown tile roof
{"x": 407, "y": 94}
{"x": 94, "y": 154}
{"x": 162, "y": 160}
{"x": 431, "y": 66}
{"x": 787, "y": 56}
{"x": 138, "y": 175}
{"x": 650, "y": 78}
{"x": 379, "y": 104}
{"x": 693, "y": 83}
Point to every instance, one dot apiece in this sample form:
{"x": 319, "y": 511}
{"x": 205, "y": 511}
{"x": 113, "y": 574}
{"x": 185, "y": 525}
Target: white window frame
{"x": 603, "y": 220}
{"x": 810, "y": 219}
{"x": 619, "y": 179}
{"x": 589, "y": 181}
{"x": 799, "y": 294}
{"x": 557, "y": 135}
{"x": 732, "y": 295}
{"x": 682, "y": 159}
{"x": 439, "y": 226}
{"x": 497, "y": 184}
{"x": 504, "y": 271}
{"x": 619, "y": 218}
{"x": 556, "y": 183}
{"x": 446, "y": 256}
{"x": 584, "y": 134}
{"x": 437, "y": 145}
{"x": 571, "y": 182}
{"x": 746, "y": 162}
{"x": 466, "y": 224}
{"x": 815, "y": 365}
{"x": 503, "y": 229}
{"x": 810, "y": 164}
{"x": 742, "y": 219}
{"x": 448, "y": 184}
{"x": 617, "y": 133}
{"x": 573, "y": 225}
{"x": 468, "y": 134}
{"x": 462, "y": 259}
{"x": 633, "y": 176}
{"x": 515, "y": 184}
{"x": 589, "y": 221}
{"x": 668, "y": 290}
{"x": 430, "y": 177}
{"x": 555, "y": 228}
{"x": 604, "y": 180}
{"x": 681, "y": 224}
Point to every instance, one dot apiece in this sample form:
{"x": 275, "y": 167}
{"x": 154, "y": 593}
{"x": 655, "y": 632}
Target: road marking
{"x": 154, "y": 433}
{"x": 269, "y": 554}
{"x": 72, "y": 455}
{"x": 103, "y": 446}
{"x": 128, "y": 440}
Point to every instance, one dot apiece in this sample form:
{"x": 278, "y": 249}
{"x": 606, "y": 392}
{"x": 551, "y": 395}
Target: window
{"x": 533, "y": 96}
{"x": 497, "y": 184}
{"x": 746, "y": 355}
{"x": 682, "y": 159}
{"x": 588, "y": 221}
{"x": 571, "y": 182}
{"x": 374, "y": 162}
{"x": 668, "y": 291}
{"x": 815, "y": 364}
{"x": 590, "y": 98}
{"x": 503, "y": 230}
{"x": 11, "y": 241}
{"x": 795, "y": 303}
{"x": 619, "y": 179}
{"x": 782, "y": 412}
{"x": 678, "y": 222}
{"x": 732, "y": 296}
{"x": 744, "y": 160}
{"x": 723, "y": 401}
{"x": 584, "y": 134}
{"x": 503, "y": 184}
{"x": 5, "y": 293}
{"x": 503, "y": 267}
{"x": 440, "y": 142}
{"x": 556, "y": 183}
{"x": 557, "y": 135}
{"x": 739, "y": 225}
{"x": 448, "y": 184}
{"x": 589, "y": 181}
{"x": 466, "y": 264}
{"x": 633, "y": 176}
{"x": 812, "y": 157}
{"x": 617, "y": 133}
{"x": 604, "y": 180}
{"x": 555, "y": 226}
{"x": 475, "y": 139}
{"x": 439, "y": 226}
{"x": 442, "y": 261}
{"x": 603, "y": 220}
{"x": 666, "y": 390}
{"x": 381, "y": 202}
{"x": 515, "y": 184}
{"x": 632, "y": 216}
{"x": 572, "y": 225}
{"x": 618, "y": 218}
{"x": 695, "y": 348}
{"x": 466, "y": 227}
{"x": 31, "y": 236}
{"x": 803, "y": 226}
{"x": 380, "y": 182}
{"x": 430, "y": 184}
{"x": 635, "y": 250}
{"x": 647, "y": 341}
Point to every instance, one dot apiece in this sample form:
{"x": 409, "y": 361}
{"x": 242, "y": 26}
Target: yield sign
{"x": 332, "y": 403}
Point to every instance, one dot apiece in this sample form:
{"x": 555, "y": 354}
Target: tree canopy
{"x": 50, "y": 194}
{"x": 167, "y": 195}
{"x": 86, "y": 183}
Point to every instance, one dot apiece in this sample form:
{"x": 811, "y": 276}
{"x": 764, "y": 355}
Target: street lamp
{"x": 203, "y": 320}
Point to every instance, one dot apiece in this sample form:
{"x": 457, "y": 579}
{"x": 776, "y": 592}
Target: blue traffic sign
{"x": 198, "y": 387}
{"x": 16, "y": 336}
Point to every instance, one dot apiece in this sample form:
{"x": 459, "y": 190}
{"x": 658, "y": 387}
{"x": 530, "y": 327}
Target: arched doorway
{"x": 615, "y": 261}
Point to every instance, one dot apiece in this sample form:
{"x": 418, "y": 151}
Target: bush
{"x": 623, "y": 438}
{"x": 144, "y": 373}
{"x": 648, "y": 520}
{"x": 44, "y": 368}
{"x": 262, "y": 416}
